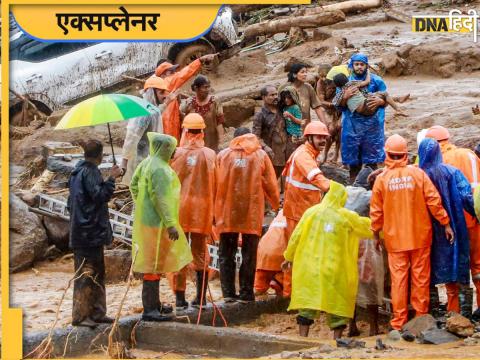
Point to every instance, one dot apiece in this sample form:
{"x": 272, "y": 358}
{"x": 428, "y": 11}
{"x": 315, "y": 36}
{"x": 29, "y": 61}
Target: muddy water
{"x": 39, "y": 290}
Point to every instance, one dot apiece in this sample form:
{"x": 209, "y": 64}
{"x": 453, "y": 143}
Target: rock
{"x": 460, "y": 325}
{"x": 471, "y": 341}
{"x": 58, "y": 232}
{"x": 394, "y": 335}
{"x": 28, "y": 239}
{"x": 350, "y": 343}
{"x": 295, "y": 60}
{"x": 419, "y": 324}
{"x": 321, "y": 34}
{"x": 393, "y": 64}
{"x": 289, "y": 355}
{"x": 379, "y": 345}
{"x": 28, "y": 197}
{"x": 436, "y": 337}
{"x": 335, "y": 173}
{"x": 476, "y": 335}
{"x": 117, "y": 265}
{"x": 56, "y": 116}
{"x": 408, "y": 336}
{"x": 238, "y": 111}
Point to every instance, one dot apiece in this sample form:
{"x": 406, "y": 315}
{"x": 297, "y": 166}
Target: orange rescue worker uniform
{"x": 171, "y": 115}
{"x": 469, "y": 164}
{"x": 305, "y": 185}
{"x": 246, "y": 177}
{"x": 403, "y": 197}
{"x": 195, "y": 166}
{"x": 270, "y": 257}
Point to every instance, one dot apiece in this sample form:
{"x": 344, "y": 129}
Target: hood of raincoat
{"x": 161, "y": 146}
{"x": 392, "y": 164}
{"x": 429, "y": 153}
{"x": 192, "y": 141}
{"x": 293, "y": 93}
{"x": 248, "y": 143}
{"x": 336, "y": 197}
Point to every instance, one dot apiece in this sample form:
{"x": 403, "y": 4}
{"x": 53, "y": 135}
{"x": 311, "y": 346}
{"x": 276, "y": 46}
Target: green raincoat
{"x": 155, "y": 189}
{"x": 324, "y": 252}
{"x": 476, "y": 200}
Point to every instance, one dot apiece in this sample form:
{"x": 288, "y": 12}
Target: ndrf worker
{"x": 270, "y": 257}
{"x": 195, "y": 166}
{"x": 403, "y": 199}
{"x": 450, "y": 262}
{"x": 159, "y": 244}
{"x": 135, "y": 146}
{"x": 469, "y": 164}
{"x": 305, "y": 183}
{"x": 175, "y": 80}
{"x": 324, "y": 252}
{"x": 246, "y": 177}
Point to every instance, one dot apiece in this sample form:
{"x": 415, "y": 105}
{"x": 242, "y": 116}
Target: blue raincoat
{"x": 449, "y": 262}
{"x": 363, "y": 137}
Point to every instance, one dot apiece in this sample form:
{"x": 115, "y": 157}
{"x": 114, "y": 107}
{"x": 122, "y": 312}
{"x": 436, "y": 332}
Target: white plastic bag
{"x": 371, "y": 273}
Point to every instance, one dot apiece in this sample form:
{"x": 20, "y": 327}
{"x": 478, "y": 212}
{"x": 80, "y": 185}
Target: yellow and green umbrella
{"x": 104, "y": 109}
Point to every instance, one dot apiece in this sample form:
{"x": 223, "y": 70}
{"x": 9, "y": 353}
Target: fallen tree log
{"x": 348, "y": 7}
{"x": 283, "y": 25}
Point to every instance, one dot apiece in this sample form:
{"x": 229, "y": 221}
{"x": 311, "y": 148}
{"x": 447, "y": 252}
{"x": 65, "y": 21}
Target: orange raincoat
{"x": 403, "y": 198}
{"x": 272, "y": 245}
{"x": 195, "y": 166}
{"x": 469, "y": 164}
{"x": 305, "y": 183}
{"x": 171, "y": 115}
{"x": 247, "y": 176}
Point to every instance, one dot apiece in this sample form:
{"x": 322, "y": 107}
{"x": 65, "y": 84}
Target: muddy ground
{"x": 435, "y": 99}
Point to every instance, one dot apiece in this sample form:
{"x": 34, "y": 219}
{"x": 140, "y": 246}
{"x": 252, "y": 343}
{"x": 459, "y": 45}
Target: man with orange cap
{"x": 135, "y": 145}
{"x": 195, "y": 166}
{"x": 247, "y": 177}
{"x": 305, "y": 182}
{"x": 469, "y": 164}
{"x": 175, "y": 80}
{"x": 403, "y": 199}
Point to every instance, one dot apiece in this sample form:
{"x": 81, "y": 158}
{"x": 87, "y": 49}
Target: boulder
{"x": 419, "y": 324}
{"x": 28, "y": 238}
{"x": 58, "y": 232}
{"x": 117, "y": 265}
{"x": 394, "y": 335}
{"x": 460, "y": 325}
{"x": 436, "y": 337}
{"x": 238, "y": 111}
{"x": 321, "y": 34}
{"x": 295, "y": 60}
{"x": 335, "y": 173}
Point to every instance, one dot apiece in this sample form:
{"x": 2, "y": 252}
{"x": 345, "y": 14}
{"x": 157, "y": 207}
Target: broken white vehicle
{"x": 54, "y": 74}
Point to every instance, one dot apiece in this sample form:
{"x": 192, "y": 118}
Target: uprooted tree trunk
{"x": 348, "y": 7}
{"x": 303, "y": 22}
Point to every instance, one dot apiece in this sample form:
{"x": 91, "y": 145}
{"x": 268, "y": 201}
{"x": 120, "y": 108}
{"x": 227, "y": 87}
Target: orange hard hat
{"x": 438, "y": 133}
{"x": 396, "y": 144}
{"x": 155, "y": 82}
{"x": 164, "y": 67}
{"x": 193, "y": 121}
{"x": 316, "y": 128}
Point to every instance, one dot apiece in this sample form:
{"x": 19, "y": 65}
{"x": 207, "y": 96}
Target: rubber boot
{"x": 180, "y": 302}
{"x": 434, "y": 302}
{"x": 151, "y": 302}
{"x": 465, "y": 298}
{"x": 200, "y": 281}
{"x": 303, "y": 330}
{"x": 373, "y": 319}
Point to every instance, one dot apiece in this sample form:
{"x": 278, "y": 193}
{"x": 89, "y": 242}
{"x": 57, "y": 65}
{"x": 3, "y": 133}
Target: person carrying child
{"x": 358, "y": 102}
{"x": 289, "y": 106}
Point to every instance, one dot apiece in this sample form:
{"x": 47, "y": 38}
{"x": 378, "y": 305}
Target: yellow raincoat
{"x": 476, "y": 199}
{"x": 155, "y": 189}
{"x": 324, "y": 252}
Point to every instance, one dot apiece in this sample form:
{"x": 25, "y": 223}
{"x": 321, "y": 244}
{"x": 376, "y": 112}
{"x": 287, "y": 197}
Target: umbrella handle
{"x": 111, "y": 144}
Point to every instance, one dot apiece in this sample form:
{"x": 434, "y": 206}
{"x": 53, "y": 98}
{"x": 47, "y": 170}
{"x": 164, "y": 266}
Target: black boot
{"x": 434, "y": 302}
{"x": 465, "y": 298}
{"x": 180, "y": 302}
{"x": 151, "y": 302}
{"x": 200, "y": 281}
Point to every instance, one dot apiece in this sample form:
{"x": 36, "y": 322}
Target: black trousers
{"x": 89, "y": 298}
{"x": 228, "y": 248}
